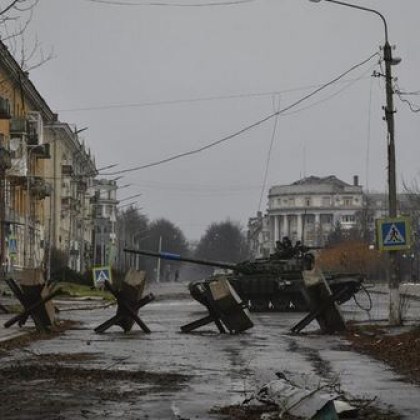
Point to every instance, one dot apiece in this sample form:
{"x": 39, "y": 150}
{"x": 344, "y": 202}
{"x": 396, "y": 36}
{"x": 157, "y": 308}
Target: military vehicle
{"x": 272, "y": 283}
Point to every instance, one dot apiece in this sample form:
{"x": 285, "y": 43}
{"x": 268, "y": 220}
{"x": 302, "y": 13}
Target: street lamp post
{"x": 394, "y": 296}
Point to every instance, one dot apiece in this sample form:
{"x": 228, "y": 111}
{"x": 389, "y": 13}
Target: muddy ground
{"x": 168, "y": 375}
{"x": 400, "y": 350}
{"x": 38, "y": 390}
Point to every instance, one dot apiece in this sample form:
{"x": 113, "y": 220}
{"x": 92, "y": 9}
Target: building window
{"x": 307, "y": 201}
{"x": 309, "y": 219}
{"x": 326, "y": 201}
{"x": 348, "y": 201}
{"x": 326, "y": 219}
{"x": 291, "y": 201}
{"x": 348, "y": 218}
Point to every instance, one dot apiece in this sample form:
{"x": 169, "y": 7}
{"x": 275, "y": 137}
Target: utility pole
{"x": 394, "y": 280}
{"x": 394, "y": 275}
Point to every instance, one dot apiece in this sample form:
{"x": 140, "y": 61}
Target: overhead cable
{"x": 200, "y": 99}
{"x": 245, "y": 129}
{"x": 276, "y": 108}
{"x": 167, "y": 4}
{"x": 413, "y": 107}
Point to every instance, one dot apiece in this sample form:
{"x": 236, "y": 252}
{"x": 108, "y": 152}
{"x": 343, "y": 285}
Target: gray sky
{"x": 137, "y": 55}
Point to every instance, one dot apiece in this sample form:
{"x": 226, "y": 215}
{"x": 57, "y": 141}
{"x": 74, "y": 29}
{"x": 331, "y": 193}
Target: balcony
{"x": 4, "y": 109}
{"x": 39, "y": 188}
{"x": 67, "y": 170}
{"x": 32, "y": 139}
{"x": 18, "y": 126}
{"x": 41, "y": 152}
{"x": 69, "y": 203}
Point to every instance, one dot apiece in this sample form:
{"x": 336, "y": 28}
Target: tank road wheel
{"x": 280, "y": 304}
{"x": 259, "y": 305}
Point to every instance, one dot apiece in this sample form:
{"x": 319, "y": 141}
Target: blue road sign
{"x": 100, "y": 274}
{"x": 394, "y": 234}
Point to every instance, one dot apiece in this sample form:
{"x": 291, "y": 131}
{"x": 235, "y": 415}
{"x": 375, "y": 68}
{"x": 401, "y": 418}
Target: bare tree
{"x": 223, "y": 241}
{"x": 15, "y": 19}
{"x": 163, "y": 235}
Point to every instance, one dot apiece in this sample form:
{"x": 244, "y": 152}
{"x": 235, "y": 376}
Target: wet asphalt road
{"x": 222, "y": 369}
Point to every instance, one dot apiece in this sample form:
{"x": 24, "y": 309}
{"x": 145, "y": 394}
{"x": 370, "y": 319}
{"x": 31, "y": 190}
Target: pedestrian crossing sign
{"x": 100, "y": 274}
{"x": 393, "y": 234}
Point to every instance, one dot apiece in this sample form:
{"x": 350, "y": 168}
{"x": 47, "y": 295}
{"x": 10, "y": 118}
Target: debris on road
{"x": 304, "y": 396}
{"x": 293, "y": 397}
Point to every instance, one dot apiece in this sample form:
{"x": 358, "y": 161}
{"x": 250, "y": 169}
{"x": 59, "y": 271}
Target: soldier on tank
{"x": 284, "y": 248}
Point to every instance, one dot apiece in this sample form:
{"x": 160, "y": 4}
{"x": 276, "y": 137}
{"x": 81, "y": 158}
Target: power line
{"x": 413, "y": 107}
{"x": 333, "y": 95}
{"x": 194, "y": 100}
{"x": 403, "y": 93}
{"x": 270, "y": 148}
{"x": 247, "y": 128}
{"x": 12, "y": 5}
{"x": 165, "y": 4}
{"x": 196, "y": 188}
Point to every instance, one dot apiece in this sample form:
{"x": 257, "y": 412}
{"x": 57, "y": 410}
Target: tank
{"x": 274, "y": 283}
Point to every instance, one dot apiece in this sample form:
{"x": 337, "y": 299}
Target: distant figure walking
{"x": 176, "y": 275}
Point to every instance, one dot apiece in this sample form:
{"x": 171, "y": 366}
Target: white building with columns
{"x": 310, "y": 208}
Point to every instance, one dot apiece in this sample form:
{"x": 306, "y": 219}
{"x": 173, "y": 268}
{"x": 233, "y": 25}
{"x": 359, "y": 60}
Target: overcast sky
{"x": 185, "y": 77}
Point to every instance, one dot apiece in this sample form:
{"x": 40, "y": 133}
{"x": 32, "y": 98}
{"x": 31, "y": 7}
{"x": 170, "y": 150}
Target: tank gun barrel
{"x": 176, "y": 257}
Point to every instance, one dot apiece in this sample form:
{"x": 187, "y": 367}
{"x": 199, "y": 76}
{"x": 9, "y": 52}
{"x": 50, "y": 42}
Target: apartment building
{"x": 70, "y": 208}
{"x": 105, "y": 210}
{"x": 46, "y": 178}
{"x": 24, "y": 188}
